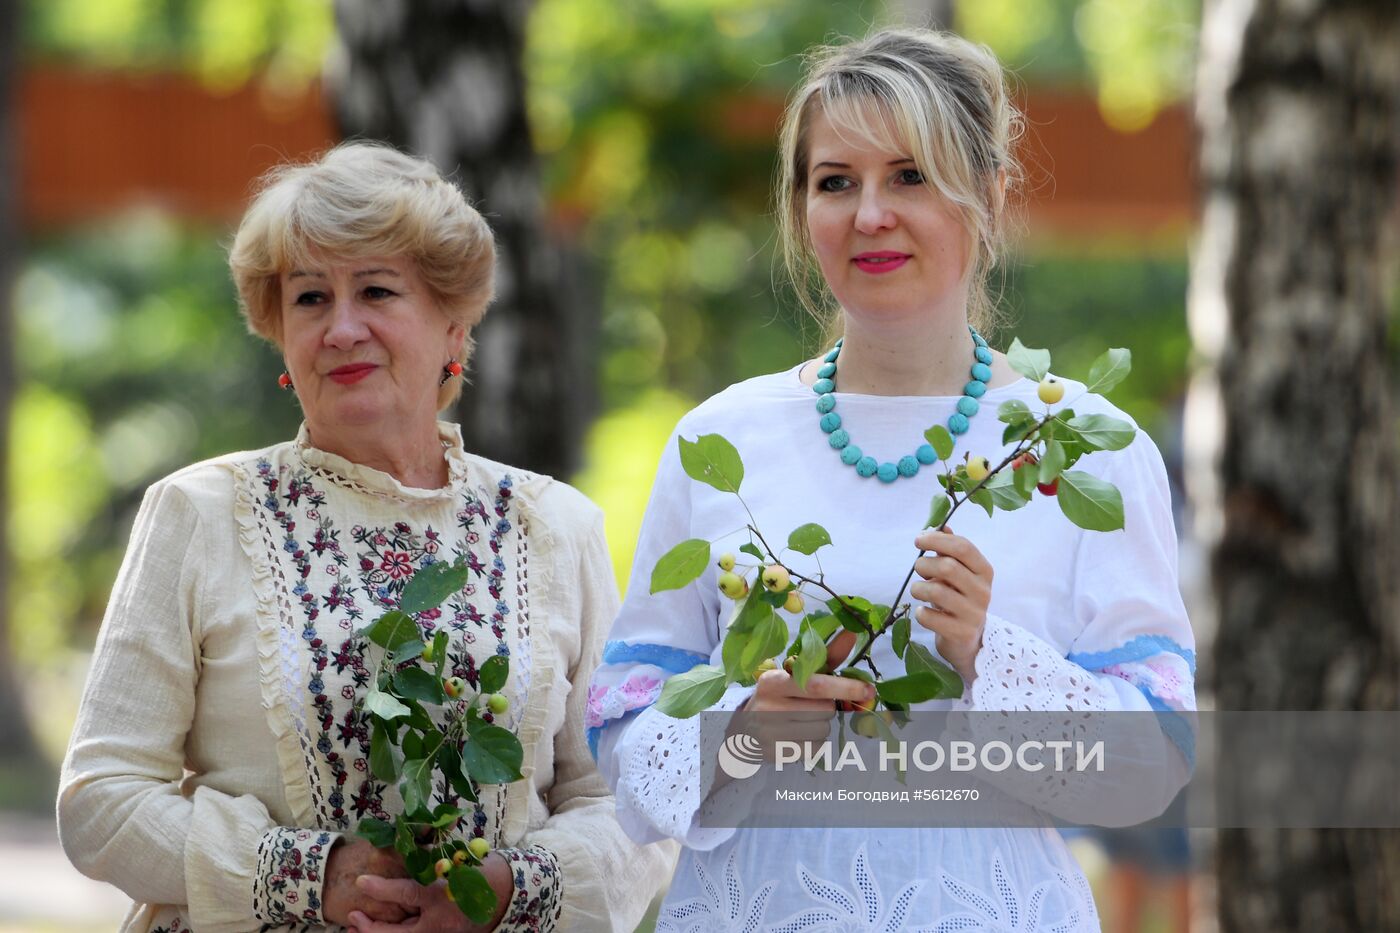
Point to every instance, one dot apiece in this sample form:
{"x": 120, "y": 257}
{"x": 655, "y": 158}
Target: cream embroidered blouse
{"x": 218, "y": 753}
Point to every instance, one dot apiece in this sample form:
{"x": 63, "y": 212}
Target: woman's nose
{"x": 346, "y": 326}
{"x": 873, "y": 212}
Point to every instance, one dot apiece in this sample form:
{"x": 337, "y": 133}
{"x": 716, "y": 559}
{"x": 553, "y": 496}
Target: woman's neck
{"x": 925, "y": 357}
{"x": 413, "y": 456}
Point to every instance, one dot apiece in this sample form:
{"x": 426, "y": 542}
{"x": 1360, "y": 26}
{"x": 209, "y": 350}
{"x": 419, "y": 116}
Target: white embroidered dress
{"x": 219, "y": 753}
{"x": 1078, "y": 621}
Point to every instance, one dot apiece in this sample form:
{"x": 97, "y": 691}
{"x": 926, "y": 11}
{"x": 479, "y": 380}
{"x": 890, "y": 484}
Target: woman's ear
{"x": 456, "y": 338}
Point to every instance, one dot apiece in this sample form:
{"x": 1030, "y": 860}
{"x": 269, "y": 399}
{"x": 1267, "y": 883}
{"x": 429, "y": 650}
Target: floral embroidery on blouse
{"x": 538, "y": 899}
{"x": 287, "y": 883}
{"x": 1164, "y": 677}
{"x": 338, "y": 578}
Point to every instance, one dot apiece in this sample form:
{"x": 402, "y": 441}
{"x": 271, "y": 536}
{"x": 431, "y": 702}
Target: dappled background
{"x": 140, "y": 124}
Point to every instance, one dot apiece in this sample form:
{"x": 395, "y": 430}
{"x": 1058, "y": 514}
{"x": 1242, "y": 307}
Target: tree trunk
{"x": 16, "y": 740}
{"x": 1298, "y": 104}
{"x": 444, "y": 80}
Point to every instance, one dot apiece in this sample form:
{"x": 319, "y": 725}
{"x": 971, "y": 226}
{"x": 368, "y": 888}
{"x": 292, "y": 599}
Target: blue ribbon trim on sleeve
{"x": 1176, "y": 726}
{"x": 674, "y": 660}
{"x": 1144, "y": 646}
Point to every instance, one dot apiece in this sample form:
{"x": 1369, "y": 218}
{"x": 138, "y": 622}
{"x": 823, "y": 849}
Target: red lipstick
{"x": 352, "y": 373}
{"x": 880, "y": 261}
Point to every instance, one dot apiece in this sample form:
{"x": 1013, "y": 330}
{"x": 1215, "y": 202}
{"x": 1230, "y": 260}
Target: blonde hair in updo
{"x": 936, "y": 96}
{"x": 359, "y": 200}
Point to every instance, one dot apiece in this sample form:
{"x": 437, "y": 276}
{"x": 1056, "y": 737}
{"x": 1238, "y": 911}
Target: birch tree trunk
{"x": 444, "y": 80}
{"x": 16, "y": 740}
{"x": 1299, "y": 110}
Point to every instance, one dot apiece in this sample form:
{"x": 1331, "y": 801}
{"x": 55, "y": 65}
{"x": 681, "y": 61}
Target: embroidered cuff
{"x": 290, "y": 873}
{"x": 538, "y": 898}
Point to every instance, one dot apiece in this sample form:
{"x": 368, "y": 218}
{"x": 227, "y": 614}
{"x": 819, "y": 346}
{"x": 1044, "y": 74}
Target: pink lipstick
{"x": 880, "y": 261}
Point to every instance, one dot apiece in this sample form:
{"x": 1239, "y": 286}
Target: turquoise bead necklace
{"x": 909, "y": 464}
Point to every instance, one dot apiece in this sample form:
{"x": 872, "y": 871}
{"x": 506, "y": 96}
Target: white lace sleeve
{"x": 1018, "y": 672}
{"x": 663, "y": 775}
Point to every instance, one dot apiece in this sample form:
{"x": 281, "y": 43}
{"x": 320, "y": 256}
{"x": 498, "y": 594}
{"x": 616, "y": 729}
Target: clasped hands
{"x": 368, "y": 891}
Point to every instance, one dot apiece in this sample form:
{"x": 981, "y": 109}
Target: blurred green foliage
{"x": 133, "y": 361}
{"x": 224, "y": 41}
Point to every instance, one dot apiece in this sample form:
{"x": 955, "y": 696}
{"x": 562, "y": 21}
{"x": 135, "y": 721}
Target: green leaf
{"x": 1013, "y": 410}
{"x": 384, "y": 706}
{"x": 1017, "y": 431}
{"x": 752, "y": 550}
{"x": 910, "y": 689}
{"x": 417, "y": 684}
{"x": 1110, "y": 369}
{"x": 1005, "y": 491}
{"x": 940, "y": 440}
{"x": 809, "y": 537}
{"x": 919, "y": 660}
{"x": 445, "y": 815}
{"x": 392, "y": 630}
{"x": 768, "y": 638}
{"x": 712, "y": 460}
{"x": 755, "y": 612}
{"x": 899, "y": 638}
{"x": 450, "y": 763}
{"x": 432, "y": 584}
{"x": 416, "y": 783}
{"x": 1025, "y": 480}
{"x": 1090, "y": 502}
{"x": 379, "y": 832}
{"x": 492, "y": 755}
{"x": 420, "y": 864}
{"x": 983, "y": 498}
{"x": 687, "y": 694}
{"x": 811, "y": 656}
{"x": 681, "y": 565}
{"x": 403, "y": 838}
{"x": 493, "y": 673}
{"x": 823, "y": 623}
{"x": 1053, "y": 463}
{"x": 408, "y": 651}
{"x": 1101, "y": 432}
{"x": 439, "y": 653}
{"x": 852, "y": 623}
{"x": 472, "y": 892}
{"x": 414, "y": 745}
{"x": 938, "y": 511}
{"x": 385, "y": 758}
{"x": 856, "y": 673}
{"x": 1033, "y": 364}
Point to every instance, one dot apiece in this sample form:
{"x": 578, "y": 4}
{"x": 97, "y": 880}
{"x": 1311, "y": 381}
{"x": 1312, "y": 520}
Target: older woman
{"x": 220, "y": 761}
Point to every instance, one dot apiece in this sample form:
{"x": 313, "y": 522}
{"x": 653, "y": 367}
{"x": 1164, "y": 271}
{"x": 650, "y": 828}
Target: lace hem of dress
{"x": 990, "y": 903}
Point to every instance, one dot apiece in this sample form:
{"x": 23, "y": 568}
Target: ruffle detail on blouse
{"x": 532, "y": 651}
{"x": 366, "y": 479}
{"x": 277, "y": 663}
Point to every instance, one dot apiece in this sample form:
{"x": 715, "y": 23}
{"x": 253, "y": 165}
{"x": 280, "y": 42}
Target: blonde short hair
{"x": 937, "y": 96}
{"x": 364, "y": 199}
